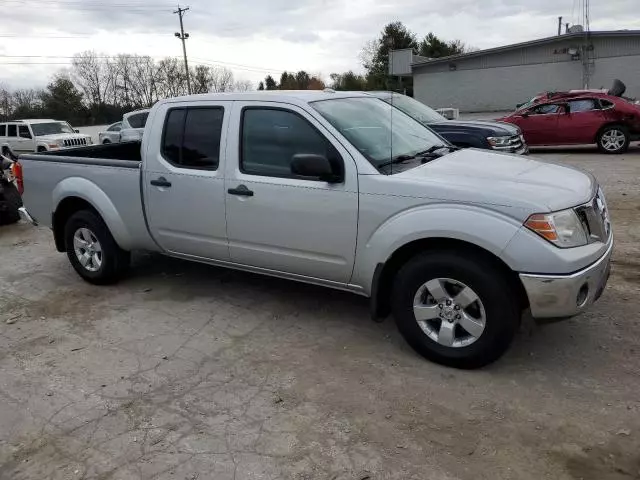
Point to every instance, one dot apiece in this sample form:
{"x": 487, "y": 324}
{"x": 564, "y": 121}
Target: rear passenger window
{"x": 577, "y": 106}
{"x": 12, "y": 131}
{"x": 138, "y": 120}
{"x": 192, "y": 137}
{"x": 606, "y": 104}
{"x": 3, "y": 130}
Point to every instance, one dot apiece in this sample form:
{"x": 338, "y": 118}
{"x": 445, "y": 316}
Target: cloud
{"x": 260, "y": 37}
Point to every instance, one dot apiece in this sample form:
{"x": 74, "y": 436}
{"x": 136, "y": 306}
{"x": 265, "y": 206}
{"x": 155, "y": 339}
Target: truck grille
{"x": 515, "y": 143}
{"x": 595, "y": 218}
{"x": 75, "y": 142}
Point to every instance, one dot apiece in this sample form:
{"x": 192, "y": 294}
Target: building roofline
{"x": 539, "y": 41}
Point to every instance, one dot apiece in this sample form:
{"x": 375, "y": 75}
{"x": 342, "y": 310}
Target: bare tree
{"x": 243, "y": 86}
{"x": 221, "y": 79}
{"x": 201, "y": 79}
{"x": 143, "y": 75}
{"x": 171, "y": 79}
{"x": 89, "y": 75}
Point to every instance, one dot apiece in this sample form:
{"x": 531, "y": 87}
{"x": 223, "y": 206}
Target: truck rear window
{"x": 191, "y": 137}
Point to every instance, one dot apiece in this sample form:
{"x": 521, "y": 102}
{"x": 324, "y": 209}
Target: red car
{"x": 579, "y": 117}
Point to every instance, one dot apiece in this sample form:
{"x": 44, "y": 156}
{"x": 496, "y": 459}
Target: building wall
{"x": 499, "y": 81}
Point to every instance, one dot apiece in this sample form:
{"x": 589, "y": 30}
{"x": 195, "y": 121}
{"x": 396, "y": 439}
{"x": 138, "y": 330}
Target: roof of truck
{"x": 302, "y": 96}
{"x": 34, "y": 120}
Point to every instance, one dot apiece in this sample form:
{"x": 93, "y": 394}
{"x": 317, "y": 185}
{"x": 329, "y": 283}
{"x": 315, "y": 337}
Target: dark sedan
{"x": 499, "y": 136}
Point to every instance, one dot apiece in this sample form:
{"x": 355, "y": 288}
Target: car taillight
{"x": 16, "y": 169}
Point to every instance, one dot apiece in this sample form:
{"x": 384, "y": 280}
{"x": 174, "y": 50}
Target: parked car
{"x": 111, "y": 134}
{"x": 586, "y": 117}
{"x": 10, "y": 200}
{"x": 133, "y": 125}
{"x": 39, "y": 135}
{"x": 487, "y": 134}
{"x": 320, "y": 187}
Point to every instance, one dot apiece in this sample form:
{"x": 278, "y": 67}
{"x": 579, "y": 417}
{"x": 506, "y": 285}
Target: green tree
{"x": 261, "y": 86}
{"x": 433, "y": 47}
{"x": 348, "y": 81}
{"x": 270, "y": 83}
{"x": 394, "y": 36}
{"x": 62, "y": 100}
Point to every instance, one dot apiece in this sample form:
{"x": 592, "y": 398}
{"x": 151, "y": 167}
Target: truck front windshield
{"x": 379, "y": 131}
{"x": 51, "y": 128}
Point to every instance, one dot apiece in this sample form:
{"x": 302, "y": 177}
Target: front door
{"x": 281, "y": 222}
{"x": 184, "y": 181}
{"x": 25, "y": 142}
{"x": 540, "y": 124}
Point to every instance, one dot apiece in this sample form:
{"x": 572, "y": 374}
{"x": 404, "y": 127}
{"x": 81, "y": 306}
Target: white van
{"x": 39, "y": 135}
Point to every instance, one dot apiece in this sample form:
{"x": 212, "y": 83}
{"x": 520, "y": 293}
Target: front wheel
{"x": 614, "y": 139}
{"x": 91, "y": 249}
{"x": 455, "y": 309}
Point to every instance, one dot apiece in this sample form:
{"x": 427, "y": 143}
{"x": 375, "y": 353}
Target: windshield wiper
{"x": 424, "y": 153}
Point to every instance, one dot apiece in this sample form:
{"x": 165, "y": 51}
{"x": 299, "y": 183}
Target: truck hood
{"x": 489, "y": 127}
{"x": 61, "y": 136}
{"x": 483, "y": 177}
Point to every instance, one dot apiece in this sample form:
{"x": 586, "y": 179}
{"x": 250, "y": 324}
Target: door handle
{"x": 161, "y": 182}
{"x": 241, "y": 190}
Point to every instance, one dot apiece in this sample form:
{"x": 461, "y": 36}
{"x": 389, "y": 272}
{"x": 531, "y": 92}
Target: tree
{"x": 433, "y": 47}
{"x": 221, "y": 79}
{"x": 62, "y": 100}
{"x": 200, "y": 79}
{"x": 270, "y": 83}
{"x": 348, "y": 81}
{"x": 261, "y": 86}
{"x": 243, "y": 86}
{"x": 394, "y": 36}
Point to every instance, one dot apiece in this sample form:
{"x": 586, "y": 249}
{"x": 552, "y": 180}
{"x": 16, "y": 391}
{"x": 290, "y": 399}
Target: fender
{"x": 91, "y": 193}
{"x": 482, "y": 227}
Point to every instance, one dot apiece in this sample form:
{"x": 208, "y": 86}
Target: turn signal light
{"x": 16, "y": 169}
{"x": 542, "y": 226}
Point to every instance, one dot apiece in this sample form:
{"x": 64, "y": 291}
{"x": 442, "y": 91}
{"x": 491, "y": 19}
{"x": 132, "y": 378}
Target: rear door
{"x": 539, "y": 124}
{"x": 184, "y": 181}
{"x": 281, "y": 222}
{"x": 580, "y": 124}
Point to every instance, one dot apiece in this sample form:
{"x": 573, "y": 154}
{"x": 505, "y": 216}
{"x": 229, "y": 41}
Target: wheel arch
{"x": 74, "y": 194}
{"x": 386, "y": 272}
{"x": 612, "y": 123}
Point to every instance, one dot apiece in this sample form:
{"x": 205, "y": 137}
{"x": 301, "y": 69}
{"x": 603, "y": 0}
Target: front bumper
{"x": 562, "y": 296}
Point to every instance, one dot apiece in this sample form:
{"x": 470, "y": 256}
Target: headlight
{"x": 563, "y": 228}
{"x": 499, "y": 141}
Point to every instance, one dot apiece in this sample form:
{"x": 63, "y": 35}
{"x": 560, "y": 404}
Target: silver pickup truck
{"x": 340, "y": 190}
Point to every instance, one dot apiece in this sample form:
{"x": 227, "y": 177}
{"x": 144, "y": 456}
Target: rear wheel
{"x": 106, "y": 141}
{"x": 614, "y": 139}
{"x": 13, "y": 203}
{"x": 91, "y": 249}
{"x": 455, "y": 309}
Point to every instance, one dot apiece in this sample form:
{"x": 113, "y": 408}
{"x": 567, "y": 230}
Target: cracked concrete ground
{"x": 185, "y": 371}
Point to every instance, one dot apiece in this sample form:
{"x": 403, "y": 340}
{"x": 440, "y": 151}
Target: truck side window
{"x": 23, "y": 131}
{"x": 271, "y": 137}
{"x": 3, "y": 130}
{"x": 12, "y": 131}
{"x": 191, "y": 137}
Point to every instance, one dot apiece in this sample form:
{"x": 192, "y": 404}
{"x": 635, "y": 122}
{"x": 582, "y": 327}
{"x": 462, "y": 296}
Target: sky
{"x": 257, "y": 37}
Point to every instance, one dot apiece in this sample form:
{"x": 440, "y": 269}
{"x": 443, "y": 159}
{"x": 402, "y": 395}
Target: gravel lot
{"x": 185, "y": 371}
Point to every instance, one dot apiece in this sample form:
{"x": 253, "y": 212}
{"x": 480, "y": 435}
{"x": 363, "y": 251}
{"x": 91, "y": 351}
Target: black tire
{"x": 486, "y": 279}
{"x": 14, "y": 202}
{"x": 114, "y": 260}
{"x": 106, "y": 141}
{"x": 606, "y": 147}
{"x": 41, "y": 149}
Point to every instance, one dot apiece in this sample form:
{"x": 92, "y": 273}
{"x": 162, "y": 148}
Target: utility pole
{"x": 183, "y": 36}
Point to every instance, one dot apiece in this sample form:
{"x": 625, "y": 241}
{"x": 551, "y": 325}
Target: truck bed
{"x": 129, "y": 151}
{"x": 108, "y": 174}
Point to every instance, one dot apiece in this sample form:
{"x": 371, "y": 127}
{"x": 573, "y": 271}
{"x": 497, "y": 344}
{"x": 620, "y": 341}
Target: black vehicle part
{"x": 10, "y": 202}
{"x": 618, "y": 88}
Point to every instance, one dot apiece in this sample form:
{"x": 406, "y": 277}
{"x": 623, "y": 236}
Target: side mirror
{"x": 315, "y": 167}
{"x": 76, "y": 130}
